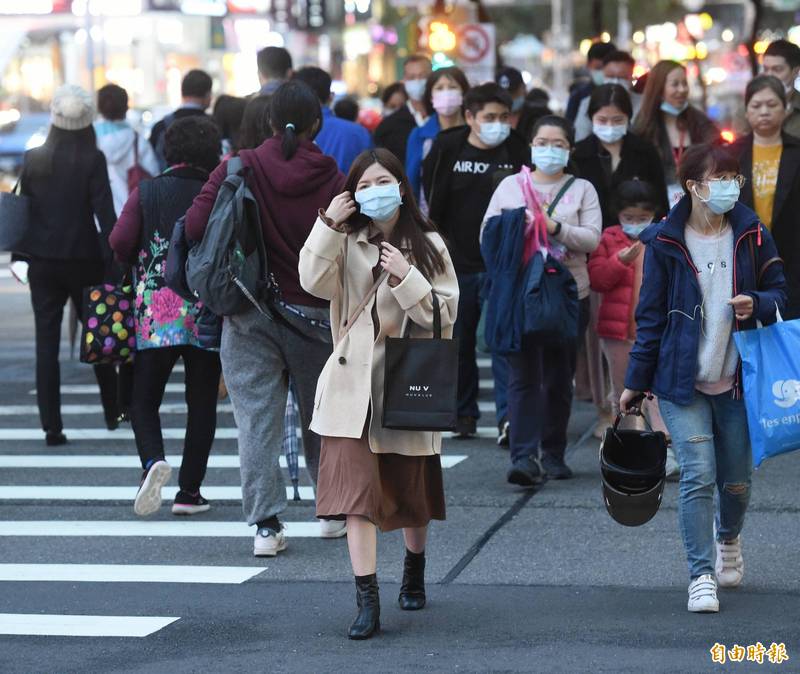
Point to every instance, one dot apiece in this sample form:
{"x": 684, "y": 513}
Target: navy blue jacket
{"x": 502, "y": 243}
{"x": 664, "y": 358}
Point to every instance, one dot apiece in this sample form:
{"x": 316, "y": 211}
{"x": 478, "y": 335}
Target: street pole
{"x": 562, "y": 17}
{"x": 623, "y": 25}
{"x": 89, "y": 48}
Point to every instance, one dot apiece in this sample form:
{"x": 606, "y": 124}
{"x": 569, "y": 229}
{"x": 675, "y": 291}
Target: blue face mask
{"x": 722, "y": 197}
{"x": 517, "y": 104}
{"x": 379, "y": 202}
{"x": 633, "y": 231}
{"x": 597, "y": 77}
{"x": 549, "y": 160}
{"x": 494, "y": 133}
{"x": 672, "y": 110}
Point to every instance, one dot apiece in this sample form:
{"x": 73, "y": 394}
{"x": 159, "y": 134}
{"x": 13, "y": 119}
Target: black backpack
{"x": 227, "y": 270}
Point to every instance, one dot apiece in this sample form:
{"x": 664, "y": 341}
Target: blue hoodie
{"x": 415, "y": 151}
{"x": 664, "y": 358}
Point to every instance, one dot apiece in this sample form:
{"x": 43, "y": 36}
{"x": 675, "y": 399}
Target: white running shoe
{"x": 148, "y": 498}
{"x": 730, "y": 564}
{"x": 703, "y": 595}
{"x": 332, "y": 528}
{"x": 268, "y": 542}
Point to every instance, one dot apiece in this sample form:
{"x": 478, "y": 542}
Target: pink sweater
{"x": 578, "y": 211}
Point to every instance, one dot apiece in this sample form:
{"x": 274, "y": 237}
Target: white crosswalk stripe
{"x": 36, "y": 624}
{"x": 127, "y": 573}
{"x": 132, "y": 461}
{"x": 71, "y": 410}
{"x": 92, "y": 493}
{"x": 105, "y": 434}
{"x": 147, "y": 528}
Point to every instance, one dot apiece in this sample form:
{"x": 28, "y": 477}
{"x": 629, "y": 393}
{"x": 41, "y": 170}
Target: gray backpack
{"x": 227, "y": 270}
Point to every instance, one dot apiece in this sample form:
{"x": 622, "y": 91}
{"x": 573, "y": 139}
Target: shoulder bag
{"x": 420, "y": 383}
{"x": 15, "y": 211}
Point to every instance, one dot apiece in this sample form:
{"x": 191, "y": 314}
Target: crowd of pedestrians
{"x": 671, "y": 242}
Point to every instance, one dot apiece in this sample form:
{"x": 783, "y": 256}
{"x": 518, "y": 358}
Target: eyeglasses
{"x": 739, "y": 180}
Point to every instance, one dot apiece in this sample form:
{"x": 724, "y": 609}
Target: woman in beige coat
{"x": 373, "y": 244}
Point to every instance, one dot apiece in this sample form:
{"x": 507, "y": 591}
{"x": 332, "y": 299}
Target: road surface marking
{"x": 86, "y": 493}
{"x": 154, "y": 528}
{"x": 35, "y": 624}
{"x": 166, "y": 408}
{"x": 127, "y": 573}
{"x": 132, "y": 461}
{"x": 105, "y": 434}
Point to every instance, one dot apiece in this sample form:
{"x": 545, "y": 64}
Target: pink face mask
{"x": 447, "y": 101}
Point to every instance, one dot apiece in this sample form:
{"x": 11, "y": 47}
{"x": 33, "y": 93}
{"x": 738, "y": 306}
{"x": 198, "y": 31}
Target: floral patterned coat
{"x": 141, "y": 237}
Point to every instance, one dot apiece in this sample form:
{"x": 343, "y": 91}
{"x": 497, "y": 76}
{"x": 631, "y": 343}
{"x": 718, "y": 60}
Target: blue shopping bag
{"x": 771, "y": 377}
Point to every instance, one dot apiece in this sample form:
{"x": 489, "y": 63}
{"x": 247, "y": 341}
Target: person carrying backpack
{"x": 291, "y": 180}
{"x": 169, "y": 327}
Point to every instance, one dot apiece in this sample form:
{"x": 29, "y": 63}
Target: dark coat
{"x": 437, "y": 169}
{"x": 393, "y": 132}
{"x": 502, "y": 244}
{"x": 67, "y": 193}
{"x": 638, "y": 159}
{"x": 785, "y": 226}
{"x": 664, "y": 358}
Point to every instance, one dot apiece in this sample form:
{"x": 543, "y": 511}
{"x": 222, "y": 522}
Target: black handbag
{"x": 420, "y": 380}
{"x": 15, "y": 209}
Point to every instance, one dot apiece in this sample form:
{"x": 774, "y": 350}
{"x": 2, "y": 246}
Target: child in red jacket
{"x": 615, "y": 271}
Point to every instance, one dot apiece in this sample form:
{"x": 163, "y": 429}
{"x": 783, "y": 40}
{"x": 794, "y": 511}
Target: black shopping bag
{"x": 420, "y": 382}
{"x": 15, "y": 211}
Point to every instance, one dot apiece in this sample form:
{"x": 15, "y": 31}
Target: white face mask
{"x": 494, "y": 133}
{"x": 610, "y": 133}
{"x": 626, "y": 84}
{"x": 415, "y": 89}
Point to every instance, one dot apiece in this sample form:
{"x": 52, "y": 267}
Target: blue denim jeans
{"x": 470, "y": 302}
{"x": 712, "y": 443}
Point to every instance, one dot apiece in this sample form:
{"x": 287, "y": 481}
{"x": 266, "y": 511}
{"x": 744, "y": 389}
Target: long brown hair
{"x": 649, "y": 123}
{"x": 412, "y": 226}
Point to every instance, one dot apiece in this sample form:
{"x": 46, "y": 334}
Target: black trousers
{"x": 151, "y": 371}
{"x": 52, "y": 284}
{"x": 540, "y": 385}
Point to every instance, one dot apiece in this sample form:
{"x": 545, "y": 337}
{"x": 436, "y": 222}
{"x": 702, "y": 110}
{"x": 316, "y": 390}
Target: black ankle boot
{"x": 412, "y": 591}
{"x": 368, "y": 620}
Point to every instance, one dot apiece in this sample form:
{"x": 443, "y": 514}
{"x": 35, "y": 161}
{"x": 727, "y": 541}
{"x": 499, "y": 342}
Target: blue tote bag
{"x": 771, "y": 377}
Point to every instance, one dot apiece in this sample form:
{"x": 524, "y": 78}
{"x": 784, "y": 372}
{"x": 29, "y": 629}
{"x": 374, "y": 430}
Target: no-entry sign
{"x": 475, "y": 51}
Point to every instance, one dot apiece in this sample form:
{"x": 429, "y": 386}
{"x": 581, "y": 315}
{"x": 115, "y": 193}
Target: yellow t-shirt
{"x": 766, "y": 160}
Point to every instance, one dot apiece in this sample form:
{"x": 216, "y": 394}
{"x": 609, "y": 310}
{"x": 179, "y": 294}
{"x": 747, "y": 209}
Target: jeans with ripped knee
{"x": 712, "y": 443}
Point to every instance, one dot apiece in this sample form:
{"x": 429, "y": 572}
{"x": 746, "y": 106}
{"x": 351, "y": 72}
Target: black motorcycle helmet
{"x": 632, "y": 468}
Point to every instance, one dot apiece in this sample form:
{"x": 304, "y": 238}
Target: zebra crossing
{"x": 80, "y": 496}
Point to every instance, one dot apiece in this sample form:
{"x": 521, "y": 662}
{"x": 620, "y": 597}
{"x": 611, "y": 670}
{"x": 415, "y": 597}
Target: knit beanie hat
{"x": 72, "y": 108}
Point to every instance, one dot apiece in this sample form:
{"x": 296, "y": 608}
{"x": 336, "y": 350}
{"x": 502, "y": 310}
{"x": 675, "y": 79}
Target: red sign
{"x": 474, "y": 43}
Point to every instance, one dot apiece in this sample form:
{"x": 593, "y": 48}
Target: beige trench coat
{"x": 351, "y": 383}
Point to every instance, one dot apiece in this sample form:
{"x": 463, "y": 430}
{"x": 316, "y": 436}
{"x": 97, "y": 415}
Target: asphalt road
{"x": 517, "y": 581}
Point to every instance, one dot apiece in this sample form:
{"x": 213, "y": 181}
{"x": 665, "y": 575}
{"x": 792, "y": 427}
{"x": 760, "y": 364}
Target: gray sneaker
{"x": 268, "y": 542}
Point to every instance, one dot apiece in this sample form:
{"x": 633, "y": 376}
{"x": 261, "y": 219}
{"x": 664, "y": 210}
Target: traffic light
{"x": 441, "y": 37}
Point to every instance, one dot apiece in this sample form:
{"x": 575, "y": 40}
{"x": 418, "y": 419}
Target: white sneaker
{"x": 148, "y": 498}
{"x": 332, "y": 528}
{"x": 268, "y": 542}
{"x": 703, "y": 595}
{"x": 730, "y": 564}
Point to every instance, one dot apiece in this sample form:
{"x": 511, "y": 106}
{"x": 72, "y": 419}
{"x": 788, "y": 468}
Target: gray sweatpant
{"x": 258, "y": 355}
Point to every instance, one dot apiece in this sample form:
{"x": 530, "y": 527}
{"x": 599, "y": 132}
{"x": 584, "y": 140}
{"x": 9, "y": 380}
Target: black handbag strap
{"x": 135, "y": 148}
{"x": 564, "y": 188}
{"x": 437, "y": 319}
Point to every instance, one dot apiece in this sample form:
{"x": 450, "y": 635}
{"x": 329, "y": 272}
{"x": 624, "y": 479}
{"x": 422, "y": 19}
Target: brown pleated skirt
{"x": 391, "y": 490}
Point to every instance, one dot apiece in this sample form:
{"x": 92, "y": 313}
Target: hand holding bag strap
{"x": 437, "y": 320}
